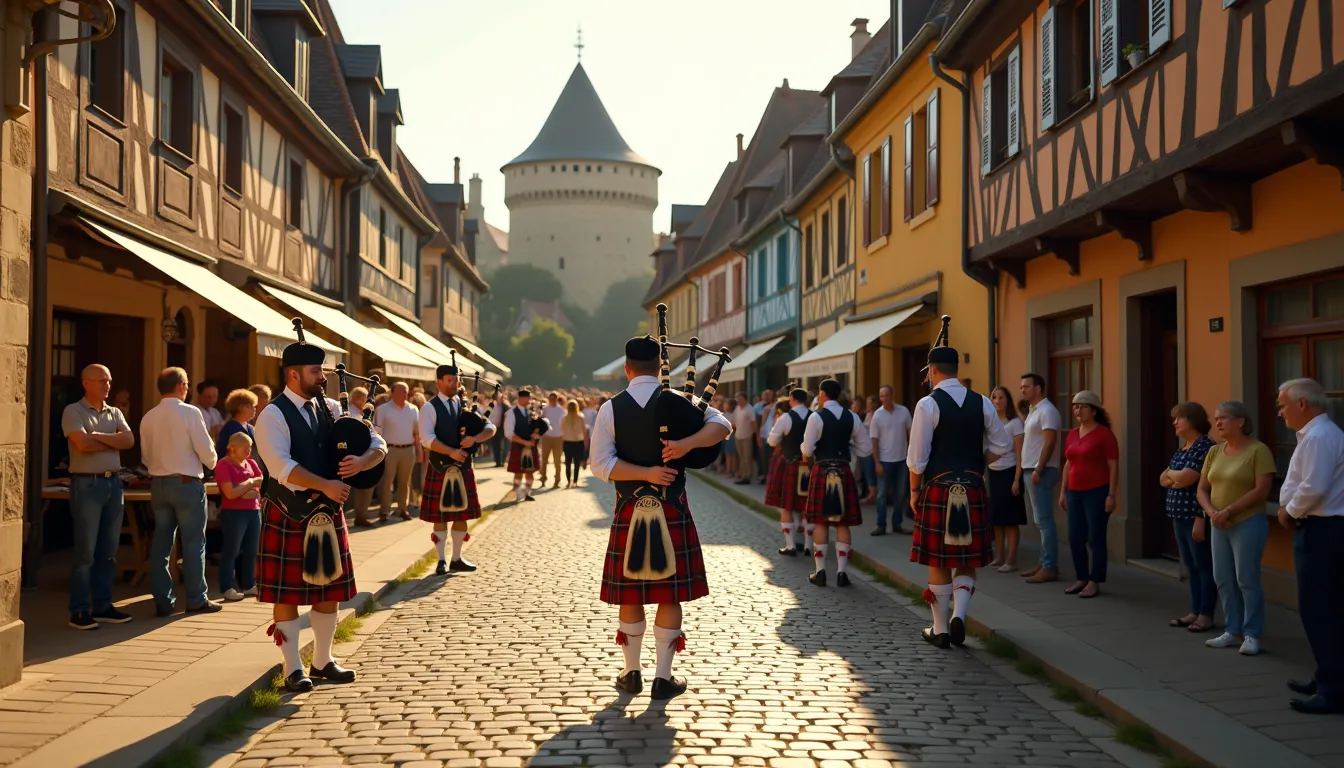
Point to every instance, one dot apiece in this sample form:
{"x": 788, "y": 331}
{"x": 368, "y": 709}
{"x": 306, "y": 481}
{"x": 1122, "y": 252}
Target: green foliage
{"x": 1088, "y": 709}
{"x": 180, "y": 755}
{"x": 266, "y": 699}
{"x": 1031, "y": 669}
{"x": 510, "y": 285}
{"x": 541, "y": 355}
{"x": 1138, "y": 737}
{"x": 600, "y": 333}
{"x": 419, "y": 567}
{"x": 1065, "y": 693}
{"x": 232, "y": 725}
{"x": 345, "y": 631}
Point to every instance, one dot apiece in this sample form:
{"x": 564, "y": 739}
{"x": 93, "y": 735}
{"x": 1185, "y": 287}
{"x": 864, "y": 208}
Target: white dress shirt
{"x": 429, "y": 418}
{"x": 397, "y": 424}
{"x": 859, "y": 444}
{"x": 891, "y": 430}
{"x": 1314, "y": 484}
{"x": 273, "y": 439}
{"x": 497, "y": 414}
{"x": 174, "y": 440}
{"x": 926, "y": 420}
{"x": 768, "y": 420}
{"x": 602, "y": 457}
{"x": 213, "y": 418}
{"x": 784, "y": 424}
{"x": 553, "y": 414}
{"x": 1043, "y": 415}
{"x": 589, "y": 418}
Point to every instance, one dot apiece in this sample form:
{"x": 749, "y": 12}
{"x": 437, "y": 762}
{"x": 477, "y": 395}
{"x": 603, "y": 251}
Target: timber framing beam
{"x": 1315, "y": 143}
{"x": 1135, "y": 229}
{"x": 1201, "y": 191}
{"x": 1014, "y": 269}
{"x": 1064, "y": 250}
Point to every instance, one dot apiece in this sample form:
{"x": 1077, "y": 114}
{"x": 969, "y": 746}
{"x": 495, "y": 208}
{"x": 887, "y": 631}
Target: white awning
{"x": 484, "y": 357}
{"x": 610, "y": 371}
{"x": 836, "y": 354}
{"x": 398, "y": 361}
{"x": 737, "y": 369}
{"x": 680, "y": 370}
{"x": 436, "y": 349}
{"x": 274, "y": 330}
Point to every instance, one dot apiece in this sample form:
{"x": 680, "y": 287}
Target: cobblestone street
{"x": 515, "y": 662}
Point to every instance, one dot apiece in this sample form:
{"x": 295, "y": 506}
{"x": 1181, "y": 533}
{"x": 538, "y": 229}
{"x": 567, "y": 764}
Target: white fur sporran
{"x": 833, "y": 497}
{"x": 648, "y": 544}
{"x": 804, "y": 476}
{"x": 453, "y": 497}
{"x": 957, "y": 517}
{"x": 321, "y": 551}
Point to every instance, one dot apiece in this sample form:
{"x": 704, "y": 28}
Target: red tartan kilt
{"x": 930, "y": 548}
{"x": 433, "y": 489}
{"x": 280, "y": 563}
{"x": 687, "y": 584}
{"x": 781, "y": 484}
{"x": 516, "y": 458}
{"x": 816, "y": 493}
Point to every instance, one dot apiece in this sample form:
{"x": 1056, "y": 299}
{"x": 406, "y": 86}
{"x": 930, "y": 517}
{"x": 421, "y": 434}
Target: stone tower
{"x": 580, "y": 200}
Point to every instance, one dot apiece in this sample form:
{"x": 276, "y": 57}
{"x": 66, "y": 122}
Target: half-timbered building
{"x": 670, "y": 284}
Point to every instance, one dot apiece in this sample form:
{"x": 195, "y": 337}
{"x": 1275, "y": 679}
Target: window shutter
{"x": 867, "y": 199}
{"x": 909, "y": 187}
{"x": 1014, "y": 101}
{"x": 1159, "y": 24}
{"x": 886, "y": 187}
{"x": 1048, "y": 69}
{"x": 931, "y": 167}
{"x": 986, "y": 162}
{"x": 1110, "y": 42}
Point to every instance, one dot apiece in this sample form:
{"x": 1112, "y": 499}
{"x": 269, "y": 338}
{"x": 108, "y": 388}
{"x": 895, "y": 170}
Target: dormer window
{"x": 302, "y": 56}
{"x": 237, "y": 12}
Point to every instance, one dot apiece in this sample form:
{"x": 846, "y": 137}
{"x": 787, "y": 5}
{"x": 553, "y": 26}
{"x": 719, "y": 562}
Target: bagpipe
{"x": 352, "y": 435}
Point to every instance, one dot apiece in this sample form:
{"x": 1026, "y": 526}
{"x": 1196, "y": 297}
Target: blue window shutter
{"x": 1048, "y": 69}
{"x": 782, "y": 262}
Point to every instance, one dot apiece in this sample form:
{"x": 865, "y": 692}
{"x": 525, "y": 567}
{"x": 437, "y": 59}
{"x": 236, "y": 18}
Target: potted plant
{"x": 1135, "y": 53}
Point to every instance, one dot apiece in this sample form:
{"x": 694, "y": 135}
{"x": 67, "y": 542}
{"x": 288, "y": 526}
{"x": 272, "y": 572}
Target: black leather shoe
{"x": 842, "y": 579}
{"x": 630, "y": 682}
{"x": 333, "y": 672}
{"x": 442, "y": 569}
{"x": 1316, "y": 705}
{"x": 807, "y": 551}
{"x": 297, "y": 682}
{"x": 790, "y": 551}
{"x": 798, "y": 549}
{"x": 936, "y": 639}
{"x": 1306, "y": 689}
{"x": 818, "y": 578}
{"x": 664, "y": 688}
{"x": 957, "y": 628}
{"x": 461, "y": 566}
{"x": 162, "y": 612}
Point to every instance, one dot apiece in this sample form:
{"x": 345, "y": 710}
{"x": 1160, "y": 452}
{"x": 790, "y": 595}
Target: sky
{"x": 680, "y": 80}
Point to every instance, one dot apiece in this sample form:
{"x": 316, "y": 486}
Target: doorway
{"x": 913, "y": 387}
{"x": 1158, "y": 392}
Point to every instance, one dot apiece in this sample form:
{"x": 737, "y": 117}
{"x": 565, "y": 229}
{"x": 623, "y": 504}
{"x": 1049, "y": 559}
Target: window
{"x": 576, "y": 169}
{"x": 63, "y": 347}
{"x": 1066, "y": 60}
{"x": 1000, "y": 112}
{"x": 1301, "y": 336}
{"x": 739, "y": 284}
{"x": 302, "y": 47}
{"x": 176, "y": 100}
{"x": 382, "y": 238}
{"x": 231, "y": 143}
{"x": 867, "y": 199}
{"x": 718, "y": 295}
{"x": 587, "y": 169}
{"x": 841, "y": 235}
{"x": 410, "y": 256}
{"x": 825, "y": 245}
{"x": 237, "y": 12}
{"x": 877, "y": 194}
{"x": 429, "y": 287}
{"x": 762, "y": 273}
{"x": 1070, "y": 345}
{"x": 782, "y": 270}
{"x": 296, "y": 179}
{"x": 461, "y": 293}
{"x": 1140, "y": 26}
{"x": 107, "y": 71}
{"x": 921, "y": 159}
{"x": 886, "y": 187}
{"x": 809, "y": 269}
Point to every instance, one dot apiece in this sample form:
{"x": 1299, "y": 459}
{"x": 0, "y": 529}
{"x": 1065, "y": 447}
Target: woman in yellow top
{"x": 573, "y": 431}
{"x": 1233, "y": 487}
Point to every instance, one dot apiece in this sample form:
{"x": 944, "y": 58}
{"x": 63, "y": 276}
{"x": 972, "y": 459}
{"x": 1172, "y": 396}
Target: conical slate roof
{"x": 579, "y": 128}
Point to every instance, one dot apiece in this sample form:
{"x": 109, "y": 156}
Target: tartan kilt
{"x": 433, "y": 489}
{"x": 781, "y": 484}
{"x": 687, "y": 584}
{"x": 280, "y": 562}
{"x": 929, "y": 547}
{"x": 816, "y": 493}
{"x": 516, "y": 458}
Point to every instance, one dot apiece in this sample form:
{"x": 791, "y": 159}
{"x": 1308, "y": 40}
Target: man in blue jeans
{"x": 1040, "y": 468}
{"x": 97, "y": 434}
{"x": 891, "y": 441}
{"x": 176, "y": 445}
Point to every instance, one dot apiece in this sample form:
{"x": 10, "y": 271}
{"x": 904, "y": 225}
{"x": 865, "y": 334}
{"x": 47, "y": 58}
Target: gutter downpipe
{"x": 991, "y": 286}
{"x": 351, "y": 276}
{"x": 797, "y": 286}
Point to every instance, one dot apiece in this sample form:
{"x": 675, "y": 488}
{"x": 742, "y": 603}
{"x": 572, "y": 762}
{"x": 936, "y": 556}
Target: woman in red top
{"x": 1092, "y": 475}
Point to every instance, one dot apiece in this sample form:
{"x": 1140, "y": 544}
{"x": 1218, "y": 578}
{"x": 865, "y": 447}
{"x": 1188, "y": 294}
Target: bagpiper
{"x": 303, "y": 556}
{"x": 953, "y": 428}
{"x": 784, "y": 487}
{"x": 523, "y": 454}
{"x": 449, "y": 491}
{"x": 653, "y": 553}
{"x": 832, "y": 437}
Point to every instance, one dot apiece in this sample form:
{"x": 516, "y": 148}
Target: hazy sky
{"x": 479, "y": 77}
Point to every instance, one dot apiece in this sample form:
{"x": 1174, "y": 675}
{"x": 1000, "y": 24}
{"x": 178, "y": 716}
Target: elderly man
{"x": 398, "y": 420}
{"x": 97, "y": 433}
{"x": 1312, "y": 502}
{"x": 207, "y": 400}
{"x": 744, "y": 421}
{"x": 553, "y": 442}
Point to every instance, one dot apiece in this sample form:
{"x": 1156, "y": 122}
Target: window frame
{"x": 825, "y": 245}
{"x": 1084, "y": 354}
{"x": 809, "y": 268}
{"x": 177, "y": 115}
{"x": 295, "y": 195}
{"x": 993, "y": 153}
{"x": 841, "y": 235}
{"x": 228, "y": 157}
{"x": 118, "y": 36}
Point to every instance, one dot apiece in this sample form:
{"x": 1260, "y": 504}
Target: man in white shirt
{"x": 207, "y": 398}
{"x": 449, "y": 495}
{"x": 523, "y": 453}
{"x": 832, "y": 438}
{"x": 398, "y": 421}
{"x": 1040, "y": 460}
{"x": 175, "y": 445}
{"x": 552, "y": 443}
{"x": 499, "y": 444}
{"x": 1312, "y": 500}
{"x": 743, "y": 419}
{"x": 781, "y": 485}
{"x": 891, "y": 441}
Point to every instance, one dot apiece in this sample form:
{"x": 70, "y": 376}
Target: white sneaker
{"x": 1225, "y": 640}
{"x": 1250, "y": 646}
{"x": 232, "y": 595}
{"x": 250, "y": 592}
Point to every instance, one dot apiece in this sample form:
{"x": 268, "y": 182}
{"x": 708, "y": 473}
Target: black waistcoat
{"x": 959, "y": 438}
{"x": 836, "y": 431}
{"x": 306, "y": 447}
{"x": 792, "y": 444}
{"x": 637, "y": 441}
{"x": 522, "y": 423}
{"x": 445, "y": 424}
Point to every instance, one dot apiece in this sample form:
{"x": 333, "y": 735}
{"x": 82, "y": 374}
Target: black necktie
{"x": 311, "y": 413}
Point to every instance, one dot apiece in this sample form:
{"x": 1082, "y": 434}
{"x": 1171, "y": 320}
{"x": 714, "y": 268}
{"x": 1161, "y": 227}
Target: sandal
{"x": 1193, "y": 627}
{"x": 1089, "y": 595}
{"x": 1180, "y": 623}
{"x": 1007, "y": 568}
{"x": 1076, "y": 588}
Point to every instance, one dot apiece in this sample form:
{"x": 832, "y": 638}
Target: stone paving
{"x": 513, "y": 664}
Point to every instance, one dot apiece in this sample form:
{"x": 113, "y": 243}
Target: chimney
{"x": 786, "y": 84}
{"x": 859, "y": 38}
{"x": 474, "y": 205}
{"x": 457, "y": 170}
{"x": 739, "y": 146}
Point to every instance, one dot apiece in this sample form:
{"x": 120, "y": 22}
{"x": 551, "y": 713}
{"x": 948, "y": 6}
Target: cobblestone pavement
{"x": 513, "y": 664}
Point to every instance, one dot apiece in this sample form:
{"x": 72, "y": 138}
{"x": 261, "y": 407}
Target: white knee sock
{"x": 286, "y": 634}
{"x": 819, "y": 557}
{"x": 963, "y": 587}
{"x": 437, "y": 538}
{"x": 809, "y": 528}
{"x": 666, "y": 644}
{"x": 631, "y": 639}
{"x": 841, "y": 556}
{"x": 938, "y": 596}
{"x": 324, "y": 631}
{"x": 458, "y": 538}
{"x": 788, "y": 528}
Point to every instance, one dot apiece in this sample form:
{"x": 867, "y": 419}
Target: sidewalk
{"x": 1216, "y": 707}
{"x": 120, "y": 695}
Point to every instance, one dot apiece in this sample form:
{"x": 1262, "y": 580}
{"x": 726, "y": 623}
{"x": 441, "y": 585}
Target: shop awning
{"x": 482, "y": 356}
{"x": 610, "y": 371}
{"x": 437, "y": 349}
{"x": 274, "y": 330}
{"x": 398, "y": 361}
{"x": 836, "y": 354}
{"x": 680, "y": 369}
{"x": 736, "y": 370}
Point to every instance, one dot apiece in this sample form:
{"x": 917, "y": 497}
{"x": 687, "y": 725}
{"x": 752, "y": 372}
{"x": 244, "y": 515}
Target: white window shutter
{"x": 1048, "y": 68}
{"x": 986, "y": 119}
{"x": 1159, "y": 24}
{"x": 1014, "y": 101}
{"x": 1110, "y": 42}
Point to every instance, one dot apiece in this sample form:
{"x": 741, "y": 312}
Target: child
{"x": 239, "y": 479}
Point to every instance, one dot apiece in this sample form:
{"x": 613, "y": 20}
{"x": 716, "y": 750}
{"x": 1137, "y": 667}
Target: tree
{"x": 541, "y": 356}
{"x": 601, "y": 335}
{"x": 510, "y": 285}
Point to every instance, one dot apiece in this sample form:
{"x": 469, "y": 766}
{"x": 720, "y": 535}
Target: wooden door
{"x": 913, "y": 387}
{"x": 1158, "y": 392}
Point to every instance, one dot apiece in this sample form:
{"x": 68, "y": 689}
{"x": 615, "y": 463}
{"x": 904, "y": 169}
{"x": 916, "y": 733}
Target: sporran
{"x": 648, "y": 543}
{"x": 957, "y": 516}
{"x": 453, "y": 497}
{"x": 804, "y": 479}
{"x": 321, "y": 551}
{"x": 833, "y": 498}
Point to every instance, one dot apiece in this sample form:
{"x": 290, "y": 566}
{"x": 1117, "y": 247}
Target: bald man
{"x": 97, "y": 433}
